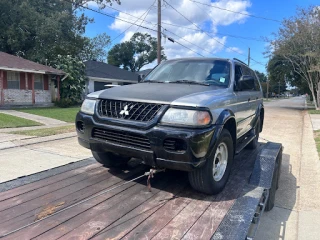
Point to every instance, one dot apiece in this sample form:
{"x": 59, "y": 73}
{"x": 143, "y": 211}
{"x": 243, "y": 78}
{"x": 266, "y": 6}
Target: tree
{"x": 95, "y": 48}
{"x": 72, "y": 86}
{"x": 279, "y": 74}
{"x": 280, "y": 69}
{"x": 298, "y": 42}
{"x": 39, "y": 30}
{"x": 262, "y": 77}
{"x": 52, "y": 32}
{"x": 134, "y": 54}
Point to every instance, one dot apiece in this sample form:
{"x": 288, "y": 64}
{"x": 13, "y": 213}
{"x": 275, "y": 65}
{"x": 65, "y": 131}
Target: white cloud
{"x": 233, "y": 50}
{"x": 207, "y": 18}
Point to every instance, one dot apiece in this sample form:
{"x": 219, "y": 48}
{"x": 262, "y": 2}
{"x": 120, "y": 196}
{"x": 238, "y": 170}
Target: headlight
{"x": 186, "y": 117}
{"x": 88, "y": 106}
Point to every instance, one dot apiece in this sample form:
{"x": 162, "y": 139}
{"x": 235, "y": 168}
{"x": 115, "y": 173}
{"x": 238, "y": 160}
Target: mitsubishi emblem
{"x": 125, "y": 111}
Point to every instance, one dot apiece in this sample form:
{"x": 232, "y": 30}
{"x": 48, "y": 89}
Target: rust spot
{"x": 48, "y": 211}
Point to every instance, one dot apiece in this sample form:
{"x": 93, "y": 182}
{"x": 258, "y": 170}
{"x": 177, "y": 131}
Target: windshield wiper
{"x": 190, "y": 82}
{"x": 152, "y": 81}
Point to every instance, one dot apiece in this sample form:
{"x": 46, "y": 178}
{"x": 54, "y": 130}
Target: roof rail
{"x": 240, "y": 61}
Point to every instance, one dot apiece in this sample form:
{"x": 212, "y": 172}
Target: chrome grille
{"x": 135, "y": 111}
{"x": 121, "y": 137}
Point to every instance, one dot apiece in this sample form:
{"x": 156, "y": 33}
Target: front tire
{"x": 110, "y": 160}
{"x": 213, "y": 176}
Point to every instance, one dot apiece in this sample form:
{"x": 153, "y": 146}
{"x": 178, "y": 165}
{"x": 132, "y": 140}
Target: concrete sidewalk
{"x": 315, "y": 120}
{"x": 33, "y": 156}
{"x": 36, "y": 118}
{"x": 297, "y": 205}
{"x": 15, "y": 140}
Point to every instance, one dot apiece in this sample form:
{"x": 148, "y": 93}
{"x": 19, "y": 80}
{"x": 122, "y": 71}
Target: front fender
{"x": 224, "y": 116}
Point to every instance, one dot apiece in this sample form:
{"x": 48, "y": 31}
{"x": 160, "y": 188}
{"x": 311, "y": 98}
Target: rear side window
{"x": 256, "y": 81}
{"x": 246, "y": 71}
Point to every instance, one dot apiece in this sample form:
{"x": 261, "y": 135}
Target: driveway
{"x": 297, "y": 207}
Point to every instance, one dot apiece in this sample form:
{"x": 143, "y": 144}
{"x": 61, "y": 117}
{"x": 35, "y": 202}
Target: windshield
{"x": 213, "y": 72}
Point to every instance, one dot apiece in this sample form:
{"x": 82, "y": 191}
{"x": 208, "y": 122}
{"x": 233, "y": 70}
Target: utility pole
{"x": 159, "y": 32}
{"x": 267, "y": 88}
{"x": 249, "y": 57}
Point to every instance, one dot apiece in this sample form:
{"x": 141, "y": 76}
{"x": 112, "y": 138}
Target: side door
{"x": 245, "y": 110}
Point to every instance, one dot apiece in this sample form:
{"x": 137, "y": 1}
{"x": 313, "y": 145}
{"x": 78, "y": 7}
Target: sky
{"x": 203, "y": 30}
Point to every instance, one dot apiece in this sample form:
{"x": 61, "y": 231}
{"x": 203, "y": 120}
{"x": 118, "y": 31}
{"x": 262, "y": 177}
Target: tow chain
{"x": 150, "y": 175}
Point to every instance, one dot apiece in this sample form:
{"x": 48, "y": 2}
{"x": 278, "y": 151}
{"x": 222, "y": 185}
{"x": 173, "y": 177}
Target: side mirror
{"x": 246, "y": 82}
{"x": 141, "y": 77}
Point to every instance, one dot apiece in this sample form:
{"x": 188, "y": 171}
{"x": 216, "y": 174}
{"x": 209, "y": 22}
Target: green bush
{"x": 65, "y": 103}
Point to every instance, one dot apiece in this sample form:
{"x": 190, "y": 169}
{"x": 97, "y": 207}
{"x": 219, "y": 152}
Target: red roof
{"x": 14, "y": 63}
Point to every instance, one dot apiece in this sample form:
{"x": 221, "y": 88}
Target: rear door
{"x": 257, "y": 93}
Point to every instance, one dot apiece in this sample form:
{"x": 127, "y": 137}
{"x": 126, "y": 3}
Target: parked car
{"x": 187, "y": 114}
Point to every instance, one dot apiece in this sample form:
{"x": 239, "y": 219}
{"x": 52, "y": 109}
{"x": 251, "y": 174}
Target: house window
{"x": 38, "y": 82}
{"x": 13, "y": 79}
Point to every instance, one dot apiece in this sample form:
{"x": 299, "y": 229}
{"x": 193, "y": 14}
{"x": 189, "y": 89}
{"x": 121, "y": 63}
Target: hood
{"x": 165, "y": 93}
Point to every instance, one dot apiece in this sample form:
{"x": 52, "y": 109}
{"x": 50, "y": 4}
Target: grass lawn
{"x": 8, "y": 121}
{"x": 63, "y": 114}
{"x": 46, "y": 131}
{"x": 317, "y": 140}
{"x": 313, "y": 111}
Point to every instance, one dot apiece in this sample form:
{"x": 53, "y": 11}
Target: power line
{"x": 242, "y": 13}
{"x": 200, "y": 7}
{"x": 187, "y": 47}
{"x": 200, "y": 28}
{"x": 209, "y": 35}
{"x": 133, "y": 23}
{"x": 221, "y": 34}
{"x": 166, "y": 30}
{"x": 108, "y": 15}
{"x": 188, "y": 41}
{"x": 146, "y": 12}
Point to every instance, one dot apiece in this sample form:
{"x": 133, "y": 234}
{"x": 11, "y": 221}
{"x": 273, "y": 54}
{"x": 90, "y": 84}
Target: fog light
{"x": 174, "y": 144}
{"x": 80, "y": 126}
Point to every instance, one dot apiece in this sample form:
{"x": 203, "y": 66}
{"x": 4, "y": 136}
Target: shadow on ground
{"x": 239, "y": 177}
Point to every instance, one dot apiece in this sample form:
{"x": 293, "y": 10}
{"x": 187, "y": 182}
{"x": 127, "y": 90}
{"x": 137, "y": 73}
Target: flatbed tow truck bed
{"x": 58, "y": 203}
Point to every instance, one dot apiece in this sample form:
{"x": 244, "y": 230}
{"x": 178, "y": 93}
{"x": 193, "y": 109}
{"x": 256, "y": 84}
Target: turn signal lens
{"x": 202, "y": 118}
{"x": 186, "y": 117}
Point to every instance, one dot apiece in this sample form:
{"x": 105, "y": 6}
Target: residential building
{"x": 101, "y": 75}
{"x": 145, "y": 72}
{"x": 23, "y": 82}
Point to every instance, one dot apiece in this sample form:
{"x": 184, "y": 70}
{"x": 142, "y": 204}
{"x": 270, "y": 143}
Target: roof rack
{"x": 240, "y": 61}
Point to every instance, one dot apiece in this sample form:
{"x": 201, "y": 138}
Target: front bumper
{"x": 197, "y": 142}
